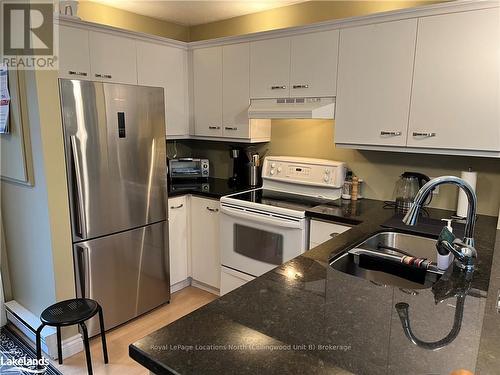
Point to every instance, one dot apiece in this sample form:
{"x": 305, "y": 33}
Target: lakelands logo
{"x": 28, "y": 35}
{"x": 23, "y": 365}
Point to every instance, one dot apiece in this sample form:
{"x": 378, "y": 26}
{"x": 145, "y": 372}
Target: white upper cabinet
{"x": 374, "y": 83}
{"x": 455, "y": 96}
{"x": 236, "y": 90}
{"x": 165, "y": 66}
{"x": 314, "y": 64}
{"x": 207, "y": 77}
{"x": 270, "y": 68}
{"x": 113, "y": 58}
{"x": 74, "y": 59}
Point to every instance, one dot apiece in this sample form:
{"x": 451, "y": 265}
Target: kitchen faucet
{"x": 464, "y": 250}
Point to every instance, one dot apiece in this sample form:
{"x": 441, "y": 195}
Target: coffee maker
{"x": 240, "y": 160}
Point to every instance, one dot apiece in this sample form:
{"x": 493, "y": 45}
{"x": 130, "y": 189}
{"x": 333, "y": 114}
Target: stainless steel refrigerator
{"x": 114, "y": 137}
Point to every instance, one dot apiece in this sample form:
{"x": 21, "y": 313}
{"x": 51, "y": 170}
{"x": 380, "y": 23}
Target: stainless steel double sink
{"x": 377, "y": 259}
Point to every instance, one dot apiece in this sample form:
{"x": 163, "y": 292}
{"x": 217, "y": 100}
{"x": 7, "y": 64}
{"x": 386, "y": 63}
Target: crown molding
{"x": 77, "y": 22}
{"x": 395, "y": 15}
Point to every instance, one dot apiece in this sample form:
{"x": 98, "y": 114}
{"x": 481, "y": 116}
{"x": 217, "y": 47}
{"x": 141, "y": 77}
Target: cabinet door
{"x": 322, "y": 231}
{"x": 270, "y": 68}
{"x": 207, "y": 72}
{"x": 205, "y": 252}
{"x": 74, "y": 58}
{"x": 166, "y": 66}
{"x": 314, "y": 64}
{"x": 456, "y": 96}
{"x": 236, "y": 90}
{"x": 113, "y": 58}
{"x": 178, "y": 239}
{"x": 374, "y": 83}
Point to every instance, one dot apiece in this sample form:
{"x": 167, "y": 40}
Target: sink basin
{"x": 377, "y": 259}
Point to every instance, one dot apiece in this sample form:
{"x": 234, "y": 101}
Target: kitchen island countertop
{"x": 306, "y": 317}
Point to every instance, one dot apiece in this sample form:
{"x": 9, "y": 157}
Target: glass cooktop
{"x": 280, "y": 199}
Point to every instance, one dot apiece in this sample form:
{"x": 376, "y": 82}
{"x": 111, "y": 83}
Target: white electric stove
{"x": 263, "y": 228}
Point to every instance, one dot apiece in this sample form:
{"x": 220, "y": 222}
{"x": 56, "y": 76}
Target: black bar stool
{"x": 68, "y": 313}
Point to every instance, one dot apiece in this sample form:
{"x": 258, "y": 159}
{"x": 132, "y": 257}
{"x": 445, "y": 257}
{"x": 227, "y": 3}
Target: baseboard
{"x": 180, "y": 285}
{"x": 205, "y": 287}
{"x": 27, "y": 322}
{"x": 71, "y": 346}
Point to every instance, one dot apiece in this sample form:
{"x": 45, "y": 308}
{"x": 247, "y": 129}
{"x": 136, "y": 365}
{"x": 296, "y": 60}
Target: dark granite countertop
{"x": 306, "y": 317}
{"x": 210, "y": 187}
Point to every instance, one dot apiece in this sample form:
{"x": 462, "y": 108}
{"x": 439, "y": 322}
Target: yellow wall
{"x": 296, "y": 15}
{"x": 98, "y": 13}
{"x": 55, "y": 179}
{"x": 292, "y": 15}
{"x": 379, "y": 169}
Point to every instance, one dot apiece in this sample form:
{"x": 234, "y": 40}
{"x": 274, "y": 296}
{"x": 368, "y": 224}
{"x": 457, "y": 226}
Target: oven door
{"x": 255, "y": 242}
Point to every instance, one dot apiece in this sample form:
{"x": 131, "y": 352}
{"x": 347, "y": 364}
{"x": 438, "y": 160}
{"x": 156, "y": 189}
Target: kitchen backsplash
{"x": 380, "y": 170}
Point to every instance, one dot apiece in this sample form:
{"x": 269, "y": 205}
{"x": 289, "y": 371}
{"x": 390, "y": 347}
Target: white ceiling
{"x": 195, "y": 12}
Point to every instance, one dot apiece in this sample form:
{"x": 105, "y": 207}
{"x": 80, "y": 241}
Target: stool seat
{"x": 69, "y": 312}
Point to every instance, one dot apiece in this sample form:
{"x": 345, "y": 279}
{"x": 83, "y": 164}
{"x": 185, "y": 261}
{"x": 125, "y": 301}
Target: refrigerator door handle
{"x": 83, "y": 274}
{"x": 81, "y": 226}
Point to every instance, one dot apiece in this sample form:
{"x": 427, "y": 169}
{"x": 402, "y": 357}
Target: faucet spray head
{"x": 411, "y": 216}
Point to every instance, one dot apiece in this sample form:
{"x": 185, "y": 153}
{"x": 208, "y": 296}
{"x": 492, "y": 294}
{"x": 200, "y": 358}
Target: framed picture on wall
{"x": 15, "y": 146}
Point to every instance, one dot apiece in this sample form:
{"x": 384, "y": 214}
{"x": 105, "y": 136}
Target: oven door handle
{"x": 261, "y": 218}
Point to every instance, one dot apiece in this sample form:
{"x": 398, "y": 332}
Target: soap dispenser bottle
{"x": 445, "y": 258}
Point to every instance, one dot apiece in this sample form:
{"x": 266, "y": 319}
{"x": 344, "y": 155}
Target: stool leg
{"x": 103, "y": 336}
{"x": 87, "y": 347}
{"x": 59, "y": 346}
{"x": 39, "y": 344}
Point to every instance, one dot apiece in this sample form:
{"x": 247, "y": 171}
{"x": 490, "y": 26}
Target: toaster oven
{"x": 189, "y": 168}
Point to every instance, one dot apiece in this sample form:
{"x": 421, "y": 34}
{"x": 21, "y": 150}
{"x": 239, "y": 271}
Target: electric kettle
{"x": 407, "y": 187}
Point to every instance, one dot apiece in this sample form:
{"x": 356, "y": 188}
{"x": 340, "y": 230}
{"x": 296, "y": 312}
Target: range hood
{"x": 292, "y": 108}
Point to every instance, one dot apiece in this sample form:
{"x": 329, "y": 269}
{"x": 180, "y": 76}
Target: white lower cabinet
{"x": 178, "y": 239}
{"x": 322, "y": 231}
{"x": 205, "y": 249}
{"x": 231, "y": 279}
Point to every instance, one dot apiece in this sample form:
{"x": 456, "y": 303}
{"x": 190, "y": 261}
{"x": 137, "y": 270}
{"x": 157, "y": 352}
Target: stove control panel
{"x": 304, "y": 171}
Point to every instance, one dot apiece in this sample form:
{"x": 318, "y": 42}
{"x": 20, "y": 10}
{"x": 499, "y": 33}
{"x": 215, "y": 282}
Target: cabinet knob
{"x": 214, "y": 127}
{"x": 176, "y": 207}
{"x": 230, "y": 128}
{"x": 424, "y": 134}
{"x": 300, "y": 86}
{"x": 390, "y": 133}
{"x": 212, "y": 209}
{"x": 278, "y": 87}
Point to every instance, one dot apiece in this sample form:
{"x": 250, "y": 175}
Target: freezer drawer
{"x": 127, "y": 273}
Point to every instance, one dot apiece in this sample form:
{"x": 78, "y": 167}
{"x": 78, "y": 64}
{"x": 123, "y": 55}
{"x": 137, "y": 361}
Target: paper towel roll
{"x": 463, "y": 203}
